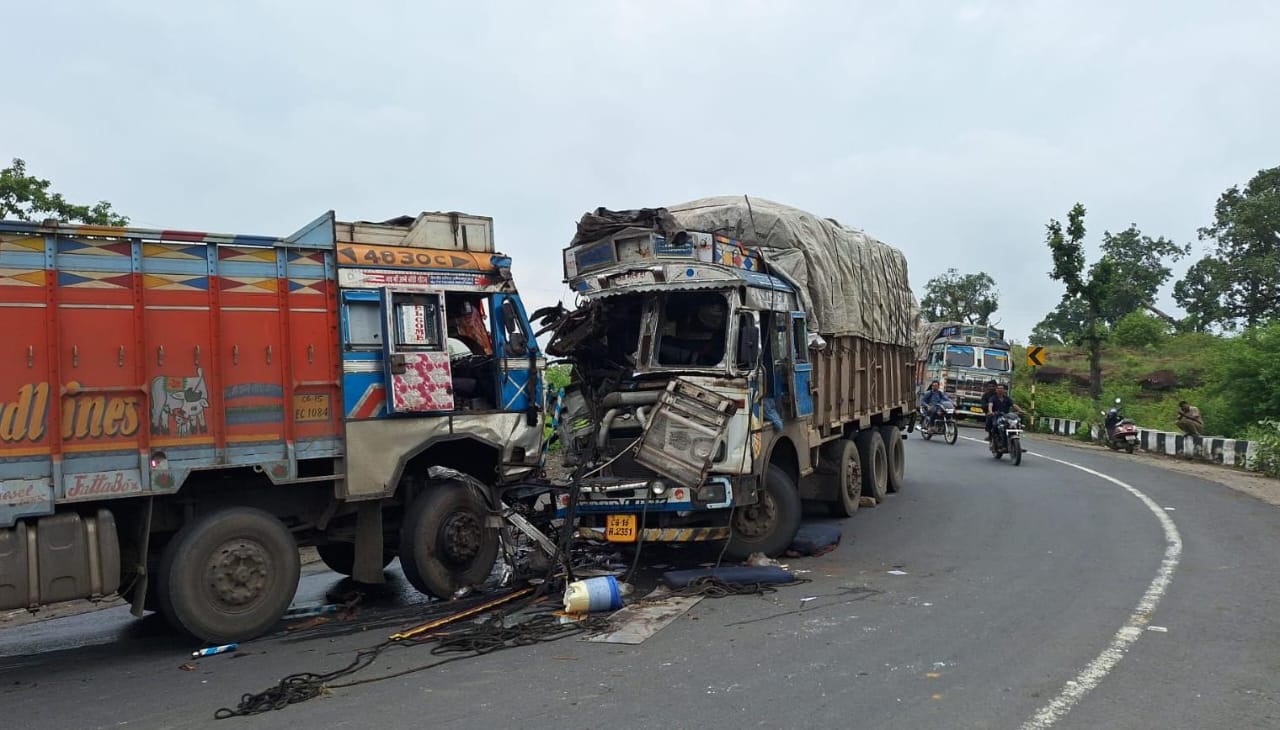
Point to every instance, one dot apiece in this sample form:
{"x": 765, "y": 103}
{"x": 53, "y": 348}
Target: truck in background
{"x": 731, "y": 358}
{"x": 179, "y": 411}
{"x": 963, "y": 358}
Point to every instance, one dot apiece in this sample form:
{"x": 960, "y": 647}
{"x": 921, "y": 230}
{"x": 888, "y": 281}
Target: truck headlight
{"x": 657, "y": 487}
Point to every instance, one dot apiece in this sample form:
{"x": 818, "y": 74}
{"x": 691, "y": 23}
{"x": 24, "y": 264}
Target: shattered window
{"x": 692, "y": 330}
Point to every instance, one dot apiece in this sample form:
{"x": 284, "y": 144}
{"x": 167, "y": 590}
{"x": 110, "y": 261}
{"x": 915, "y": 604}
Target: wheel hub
{"x": 756, "y": 520}
{"x": 461, "y": 536}
{"x": 851, "y": 477}
{"x": 239, "y": 573}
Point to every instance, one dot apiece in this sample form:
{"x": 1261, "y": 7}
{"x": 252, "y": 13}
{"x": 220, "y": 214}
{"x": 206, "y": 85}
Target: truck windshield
{"x": 692, "y": 330}
{"x": 995, "y": 360}
{"x": 960, "y": 356}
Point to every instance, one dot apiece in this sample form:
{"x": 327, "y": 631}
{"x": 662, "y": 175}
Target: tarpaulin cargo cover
{"x": 849, "y": 282}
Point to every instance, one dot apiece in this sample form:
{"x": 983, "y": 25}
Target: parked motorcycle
{"x": 1122, "y": 433}
{"x": 1007, "y": 438}
{"x": 941, "y": 422}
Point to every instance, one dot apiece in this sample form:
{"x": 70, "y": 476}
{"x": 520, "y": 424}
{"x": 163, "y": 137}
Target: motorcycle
{"x": 1122, "y": 433}
{"x": 942, "y": 422}
{"x": 1007, "y": 438}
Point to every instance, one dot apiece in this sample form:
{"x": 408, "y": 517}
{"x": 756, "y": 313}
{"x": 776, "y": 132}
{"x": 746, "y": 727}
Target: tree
{"x": 1139, "y": 270}
{"x": 1090, "y": 287}
{"x": 1246, "y": 236}
{"x": 27, "y": 198}
{"x": 1245, "y": 378}
{"x": 1064, "y": 324}
{"x": 1139, "y": 329}
{"x": 952, "y": 297}
{"x": 1200, "y": 294}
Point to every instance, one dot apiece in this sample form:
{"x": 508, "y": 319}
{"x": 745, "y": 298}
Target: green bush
{"x": 1139, "y": 329}
{"x": 1267, "y": 457}
{"x": 557, "y": 377}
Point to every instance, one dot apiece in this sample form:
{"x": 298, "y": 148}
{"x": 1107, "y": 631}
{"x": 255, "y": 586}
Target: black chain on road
{"x": 709, "y": 586}
{"x": 485, "y": 638}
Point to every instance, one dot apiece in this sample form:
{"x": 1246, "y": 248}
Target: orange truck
{"x": 180, "y": 411}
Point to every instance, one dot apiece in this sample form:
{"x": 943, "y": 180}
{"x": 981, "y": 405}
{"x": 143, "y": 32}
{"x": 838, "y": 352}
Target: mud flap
{"x": 369, "y": 560}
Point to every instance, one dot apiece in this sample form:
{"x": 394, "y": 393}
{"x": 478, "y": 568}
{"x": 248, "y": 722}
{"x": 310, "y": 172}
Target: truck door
{"x": 419, "y": 378}
{"x": 800, "y": 367}
{"x": 517, "y": 352}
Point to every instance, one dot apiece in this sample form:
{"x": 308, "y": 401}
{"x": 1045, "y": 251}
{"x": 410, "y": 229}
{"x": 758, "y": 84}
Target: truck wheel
{"x": 847, "y": 474}
{"x": 340, "y": 557}
{"x": 444, "y": 543}
{"x": 228, "y": 575}
{"x": 875, "y": 463}
{"x": 769, "y": 525}
{"x": 896, "y": 454}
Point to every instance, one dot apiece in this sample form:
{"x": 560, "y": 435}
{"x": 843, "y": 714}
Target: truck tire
{"x": 875, "y": 463}
{"x": 769, "y": 525}
{"x": 340, "y": 557}
{"x": 847, "y": 474}
{"x": 896, "y": 456}
{"x": 444, "y": 544}
{"x": 228, "y": 575}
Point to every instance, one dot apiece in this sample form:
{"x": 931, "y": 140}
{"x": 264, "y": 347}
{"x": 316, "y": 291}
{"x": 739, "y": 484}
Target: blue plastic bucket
{"x": 592, "y": 595}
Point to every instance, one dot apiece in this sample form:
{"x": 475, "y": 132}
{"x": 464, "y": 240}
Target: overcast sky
{"x": 951, "y": 130}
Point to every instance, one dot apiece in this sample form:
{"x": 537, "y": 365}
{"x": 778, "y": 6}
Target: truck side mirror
{"x": 748, "y": 342}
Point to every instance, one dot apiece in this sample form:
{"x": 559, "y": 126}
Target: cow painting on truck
{"x": 180, "y": 411}
{"x": 731, "y": 358}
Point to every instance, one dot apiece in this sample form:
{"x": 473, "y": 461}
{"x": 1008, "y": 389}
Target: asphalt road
{"x": 1036, "y": 596}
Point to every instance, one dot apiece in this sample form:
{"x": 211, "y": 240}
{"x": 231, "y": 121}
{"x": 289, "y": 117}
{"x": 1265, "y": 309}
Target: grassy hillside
{"x": 1150, "y": 379}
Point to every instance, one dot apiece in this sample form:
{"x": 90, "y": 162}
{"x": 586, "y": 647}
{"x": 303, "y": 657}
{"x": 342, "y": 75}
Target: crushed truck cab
{"x": 721, "y": 375}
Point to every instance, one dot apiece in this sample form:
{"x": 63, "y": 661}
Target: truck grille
{"x": 626, "y": 465}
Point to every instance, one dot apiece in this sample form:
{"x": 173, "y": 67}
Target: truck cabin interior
{"x": 693, "y": 329}
{"x": 471, "y": 358}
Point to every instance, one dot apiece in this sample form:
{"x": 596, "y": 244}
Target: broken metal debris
{"x": 210, "y": 651}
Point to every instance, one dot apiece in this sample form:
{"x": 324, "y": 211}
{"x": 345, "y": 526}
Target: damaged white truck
{"x": 732, "y": 357}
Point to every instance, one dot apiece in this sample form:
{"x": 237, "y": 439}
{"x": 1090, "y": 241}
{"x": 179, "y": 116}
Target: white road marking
{"x": 1093, "y": 674}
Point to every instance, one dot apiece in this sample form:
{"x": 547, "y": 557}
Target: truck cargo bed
{"x": 133, "y": 356}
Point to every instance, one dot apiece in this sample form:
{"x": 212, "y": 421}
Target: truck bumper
{"x": 632, "y": 513}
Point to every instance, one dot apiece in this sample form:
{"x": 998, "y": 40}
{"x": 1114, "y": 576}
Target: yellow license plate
{"x": 975, "y": 409}
{"x": 620, "y": 528}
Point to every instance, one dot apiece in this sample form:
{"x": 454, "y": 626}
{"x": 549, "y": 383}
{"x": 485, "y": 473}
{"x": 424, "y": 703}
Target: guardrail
{"x": 1229, "y": 452}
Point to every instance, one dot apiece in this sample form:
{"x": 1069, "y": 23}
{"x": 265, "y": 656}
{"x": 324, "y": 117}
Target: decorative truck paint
{"x": 137, "y": 362}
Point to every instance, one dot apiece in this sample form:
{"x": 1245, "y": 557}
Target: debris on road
{"x": 760, "y": 560}
{"x": 593, "y": 595}
{"x": 297, "y": 612}
{"x": 814, "y": 540}
{"x": 214, "y": 650}
{"x": 637, "y": 622}
{"x": 897, "y": 572}
{"x": 728, "y": 575}
{"x": 188, "y": 667}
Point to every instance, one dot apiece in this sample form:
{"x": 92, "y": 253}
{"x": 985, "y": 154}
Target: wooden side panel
{"x": 860, "y": 381}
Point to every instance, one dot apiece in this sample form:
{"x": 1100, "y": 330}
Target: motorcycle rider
{"x": 931, "y": 402}
{"x": 987, "y": 395}
{"x": 1113, "y": 418}
{"x": 999, "y": 404}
